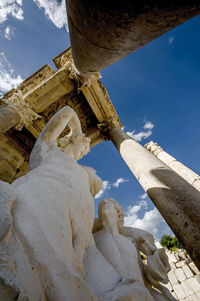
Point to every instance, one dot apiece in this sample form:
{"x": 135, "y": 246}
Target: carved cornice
{"x": 62, "y": 58}
{"x": 154, "y": 148}
{"x": 24, "y": 109}
{"x": 65, "y": 60}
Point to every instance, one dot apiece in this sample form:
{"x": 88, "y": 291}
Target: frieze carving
{"x": 35, "y": 79}
{"x": 154, "y": 148}
{"x": 62, "y": 58}
{"x": 23, "y": 109}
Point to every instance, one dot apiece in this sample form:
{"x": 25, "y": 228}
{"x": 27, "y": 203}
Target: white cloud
{"x": 132, "y": 211}
{"x": 139, "y": 136}
{"x": 9, "y": 32}
{"x": 150, "y": 221}
{"x": 143, "y": 196}
{"x": 8, "y": 79}
{"x": 11, "y": 7}
{"x": 136, "y": 208}
{"x": 148, "y": 126}
{"x": 55, "y": 11}
{"x": 119, "y": 181}
{"x": 105, "y": 187}
{"x": 171, "y": 40}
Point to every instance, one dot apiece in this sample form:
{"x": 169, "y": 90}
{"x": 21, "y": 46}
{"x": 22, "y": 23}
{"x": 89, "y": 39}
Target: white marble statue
{"x": 50, "y": 227}
{"x": 50, "y": 247}
{"x": 120, "y": 246}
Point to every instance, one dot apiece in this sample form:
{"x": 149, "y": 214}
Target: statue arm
{"x": 63, "y": 118}
{"x": 144, "y": 241}
{"x": 94, "y": 181}
{"x": 156, "y": 271}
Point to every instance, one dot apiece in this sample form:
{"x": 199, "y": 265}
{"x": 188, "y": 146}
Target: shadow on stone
{"x": 181, "y": 210}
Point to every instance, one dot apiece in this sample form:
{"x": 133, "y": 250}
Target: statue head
{"x": 109, "y": 208}
{"x": 76, "y": 145}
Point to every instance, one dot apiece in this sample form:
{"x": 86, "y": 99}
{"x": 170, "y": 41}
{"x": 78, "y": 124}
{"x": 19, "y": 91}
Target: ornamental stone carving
{"x": 154, "y": 148}
{"x": 74, "y": 74}
{"x": 24, "y": 109}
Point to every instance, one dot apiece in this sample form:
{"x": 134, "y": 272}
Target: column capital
{"x": 106, "y": 126}
{"x": 75, "y": 75}
{"x": 24, "y": 109}
{"x": 153, "y": 147}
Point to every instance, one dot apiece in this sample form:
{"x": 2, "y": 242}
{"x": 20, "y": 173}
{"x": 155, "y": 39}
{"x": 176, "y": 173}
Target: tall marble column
{"x": 177, "y": 201}
{"x": 103, "y": 32}
{"x": 186, "y": 173}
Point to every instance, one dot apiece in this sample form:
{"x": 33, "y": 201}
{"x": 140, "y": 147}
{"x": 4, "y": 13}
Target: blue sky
{"x": 156, "y": 93}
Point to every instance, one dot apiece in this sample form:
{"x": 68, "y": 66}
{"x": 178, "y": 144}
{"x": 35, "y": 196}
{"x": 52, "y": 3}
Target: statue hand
{"x": 144, "y": 241}
{"x": 147, "y": 246}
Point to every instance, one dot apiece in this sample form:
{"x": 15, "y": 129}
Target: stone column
{"x": 9, "y": 117}
{"x": 186, "y": 173}
{"x": 103, "y": 32}
{"x": 15, "y": 112}
{"x": 177, "y": 201}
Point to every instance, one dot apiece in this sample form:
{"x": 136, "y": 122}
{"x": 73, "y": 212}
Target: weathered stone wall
{"x": 184, "y": 277}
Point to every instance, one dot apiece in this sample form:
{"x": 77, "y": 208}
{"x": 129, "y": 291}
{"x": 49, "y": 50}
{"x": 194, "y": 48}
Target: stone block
{"x": 171, "y": 257}
{"x": 7, "y": 172}
{"x": 180, "y": 275}
{"x": 194, "y": 284}
{"x": 194, "y": 268}
{"x": 172, "y": 265}
{"x": 187, "y": 288}
{"x": 198, "y": 295}
{"x": 172, "y": 278}
{"x": 193, "y": 297}
{"x": 174, "y": 295}
{"x": 9, "y": 153}
{"x": 179, "y": 291}
{"x": 180, "y": 264}
{"x": 188, "y": 273}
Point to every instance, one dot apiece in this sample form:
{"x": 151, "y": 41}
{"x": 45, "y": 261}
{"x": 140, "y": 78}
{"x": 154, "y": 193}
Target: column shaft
{"x": 186, "y": 173}
{"x": 177, "y": 201}
{"x": 8, "y": 118}
{"x": 103, "y": 32}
